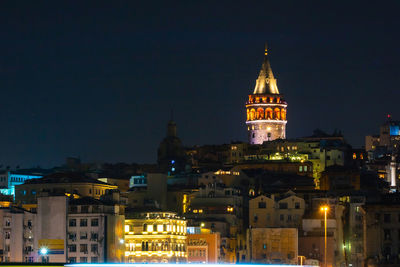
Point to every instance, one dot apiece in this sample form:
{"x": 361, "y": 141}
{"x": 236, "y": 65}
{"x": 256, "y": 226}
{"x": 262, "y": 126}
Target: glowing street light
{"x": 325, "y": 209}
{"x": 43, "y": 251}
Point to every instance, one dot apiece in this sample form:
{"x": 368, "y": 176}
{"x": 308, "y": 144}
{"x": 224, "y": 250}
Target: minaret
{"x": 266, "y": 108}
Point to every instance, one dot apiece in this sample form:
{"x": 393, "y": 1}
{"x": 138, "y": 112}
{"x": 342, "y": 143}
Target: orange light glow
{"x": 324, "y": 208}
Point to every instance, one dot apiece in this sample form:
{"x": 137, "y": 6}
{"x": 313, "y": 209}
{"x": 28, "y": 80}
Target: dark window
{"x": 72, "y": 248}
{"x": 94, "y": 248}
{"x": 72, "y": 236}
{"x": 83, "y": 222}
{"x": 262, "y": 205}
{"x": 72, "y": 222}
{"x": 73, "y": 209}
{"x": 83, "y": 248}
{"x": 95, "y": 222}
{"x": 387, "y": 234}
{"x": 386, "y": 218}
{"x": 297, "y": 205}
{"x": 94, "y": 236}
{"x": 85, "y": 209}
{"x": 283, "y": 205}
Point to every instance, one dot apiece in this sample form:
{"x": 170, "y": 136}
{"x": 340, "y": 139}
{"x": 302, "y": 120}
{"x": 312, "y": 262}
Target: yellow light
{"x": 202, "y": 225}
{"x": 200, "y": 211}
{"x": 324, "y": 208}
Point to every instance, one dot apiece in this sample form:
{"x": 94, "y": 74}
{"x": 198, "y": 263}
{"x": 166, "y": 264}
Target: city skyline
{"x": 99, "y": 82}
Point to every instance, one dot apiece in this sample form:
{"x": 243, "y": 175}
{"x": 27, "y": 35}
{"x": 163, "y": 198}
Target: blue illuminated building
{"x": 9, "y": 179}
{"x": 138, "y": 181}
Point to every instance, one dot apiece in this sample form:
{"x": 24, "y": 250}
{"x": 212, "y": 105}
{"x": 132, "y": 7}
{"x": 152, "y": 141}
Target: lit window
{"x": 126, "y": 228}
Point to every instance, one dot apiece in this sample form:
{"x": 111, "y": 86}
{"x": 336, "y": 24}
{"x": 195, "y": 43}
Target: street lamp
{"x": 43, "y": 251}
{"x": 325, "y": 209}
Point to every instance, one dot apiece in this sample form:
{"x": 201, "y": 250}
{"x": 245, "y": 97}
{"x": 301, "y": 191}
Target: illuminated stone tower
{"x": 266, "y": 108}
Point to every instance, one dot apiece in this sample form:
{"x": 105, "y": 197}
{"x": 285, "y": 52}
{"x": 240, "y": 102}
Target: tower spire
{"x": 266, "y": 82}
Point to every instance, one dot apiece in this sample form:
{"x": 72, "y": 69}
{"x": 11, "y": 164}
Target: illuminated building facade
{"x": 155, "y": 237}
{"x": 203, "y": 246}
{"x": 9, "y": 179}
{"x": 266, "y": 108}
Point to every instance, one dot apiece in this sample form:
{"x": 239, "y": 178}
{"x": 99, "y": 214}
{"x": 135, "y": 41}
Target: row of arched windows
{"x": 267, "y": 114}
{"x": 264, "y": 99}
{"x": 162, "y": 246}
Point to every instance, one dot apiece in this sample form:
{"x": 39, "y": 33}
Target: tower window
{"x": 254, "y": 135}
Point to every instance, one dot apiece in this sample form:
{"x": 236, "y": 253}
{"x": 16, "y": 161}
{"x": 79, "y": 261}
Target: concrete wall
{"x": 52, "y": 223}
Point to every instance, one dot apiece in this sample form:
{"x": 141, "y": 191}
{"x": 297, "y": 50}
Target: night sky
{"x": 97, "y": 80}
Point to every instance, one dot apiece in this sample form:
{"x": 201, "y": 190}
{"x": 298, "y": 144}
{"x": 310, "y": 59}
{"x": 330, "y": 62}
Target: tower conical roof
{"x": 266, "y": 82}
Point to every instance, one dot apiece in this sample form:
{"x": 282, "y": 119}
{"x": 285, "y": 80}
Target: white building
{"x": 95, "y": 231}
{"x": 17, "y": 242}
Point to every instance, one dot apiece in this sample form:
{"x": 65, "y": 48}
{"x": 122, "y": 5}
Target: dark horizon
{"x": 98, "y": 80}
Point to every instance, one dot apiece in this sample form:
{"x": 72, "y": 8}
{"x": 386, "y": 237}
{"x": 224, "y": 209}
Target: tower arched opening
{"x": 283, "y": 114}
{"x": 260, "y": 113}
{"x": 277, "y": 114}
{"x": 252, "y": 114}
{"x": 268, "y": 113}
